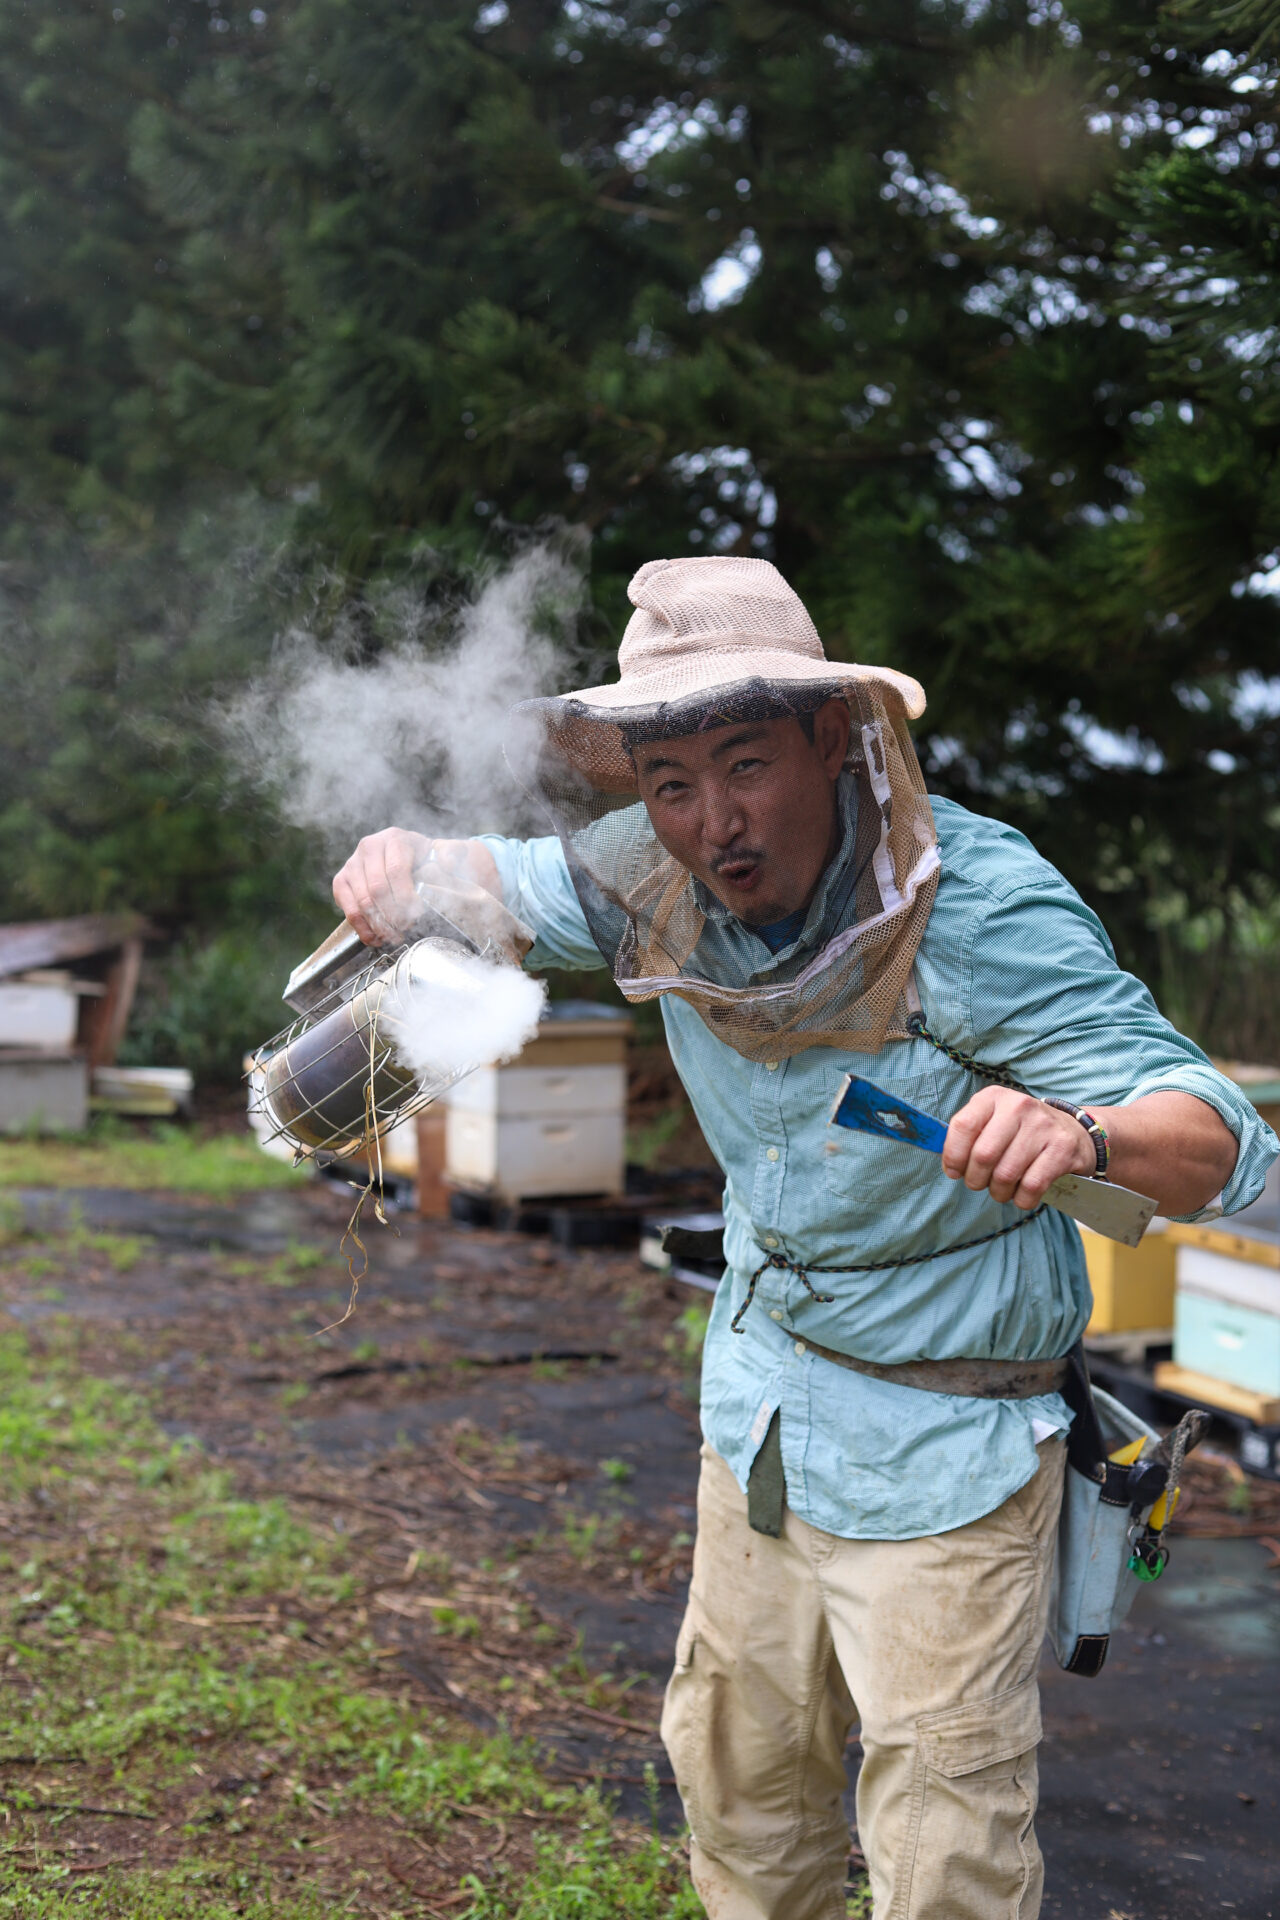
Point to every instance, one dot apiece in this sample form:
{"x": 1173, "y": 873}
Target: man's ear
{"x": 831, "y": 724}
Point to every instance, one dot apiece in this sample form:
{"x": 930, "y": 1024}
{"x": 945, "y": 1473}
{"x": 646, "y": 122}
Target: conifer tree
{"x": 882, "y": 291}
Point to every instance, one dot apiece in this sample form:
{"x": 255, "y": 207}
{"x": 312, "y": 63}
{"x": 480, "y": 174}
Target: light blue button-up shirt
{"x": 1013, "y": 967}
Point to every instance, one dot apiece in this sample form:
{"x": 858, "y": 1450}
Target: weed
{"x": 588, "y": 1535}
{"x": 303, "y": 1258}
{"x": 179, "y": 1629}
{"x": 160, "y": 1894}
{"x": 13, "y": 1226}
{"x": 616, "y": 1470}
{"x": 120, "y": 1250}
{"x": 689, "y": 1333}
{"x": 644, "y": 1144}
{"x": 136, "y": 1155}
{"x": 458, "y": 1626}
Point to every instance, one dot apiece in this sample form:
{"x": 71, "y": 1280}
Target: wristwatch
{"x": 1095, "y": 1130}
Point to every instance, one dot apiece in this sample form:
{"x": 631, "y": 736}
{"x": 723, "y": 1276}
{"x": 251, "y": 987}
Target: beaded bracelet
{"x": 1095, "y": 1130}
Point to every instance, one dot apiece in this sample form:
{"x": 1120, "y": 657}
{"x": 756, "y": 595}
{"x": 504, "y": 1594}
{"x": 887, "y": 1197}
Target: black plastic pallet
{"x": 1135, "y": 1387}
{"x": 598, "y": 1223}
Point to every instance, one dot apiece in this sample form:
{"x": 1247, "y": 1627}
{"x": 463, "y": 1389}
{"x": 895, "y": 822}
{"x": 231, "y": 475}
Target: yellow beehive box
{"x": 1132, "y": 1286}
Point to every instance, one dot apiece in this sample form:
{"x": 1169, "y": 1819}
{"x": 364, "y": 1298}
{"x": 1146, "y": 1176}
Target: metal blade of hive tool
{"x": 1118, "y": 1213}
{"x": 1115, "y": 1212}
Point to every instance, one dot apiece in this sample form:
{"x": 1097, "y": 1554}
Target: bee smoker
{"x": 332, "y": 1082}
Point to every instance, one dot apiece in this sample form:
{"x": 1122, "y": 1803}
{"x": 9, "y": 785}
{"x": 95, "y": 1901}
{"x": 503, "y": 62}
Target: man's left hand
{"x": 1014, "y": 1146}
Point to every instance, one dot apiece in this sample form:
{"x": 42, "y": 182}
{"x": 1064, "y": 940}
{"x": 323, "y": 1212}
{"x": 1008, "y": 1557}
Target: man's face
{"x": 750, "y": 809}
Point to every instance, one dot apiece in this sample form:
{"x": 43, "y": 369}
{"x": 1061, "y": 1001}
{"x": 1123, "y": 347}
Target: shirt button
{"x": 775, "y": 1313}
{"x": 772, "y": 1154}
{"x": 770, "y": 1240}
{"x": 771, "y": 1066}
{"x": 801, "y": 1347}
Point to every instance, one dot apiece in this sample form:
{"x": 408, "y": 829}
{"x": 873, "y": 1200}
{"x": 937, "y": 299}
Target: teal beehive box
{"x": 1227, "y": 1318}
{"x": 1231, "y": 1343}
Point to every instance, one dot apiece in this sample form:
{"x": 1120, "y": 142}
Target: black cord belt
{"x": 802, "y": 1271}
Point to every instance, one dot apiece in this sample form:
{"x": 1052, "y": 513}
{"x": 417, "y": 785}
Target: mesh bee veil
{"x": 715, "y": 641}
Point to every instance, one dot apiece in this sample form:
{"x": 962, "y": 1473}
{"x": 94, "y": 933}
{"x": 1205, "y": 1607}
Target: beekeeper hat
{"x": 712, "y": 641}
{"x": 709, "y": 633}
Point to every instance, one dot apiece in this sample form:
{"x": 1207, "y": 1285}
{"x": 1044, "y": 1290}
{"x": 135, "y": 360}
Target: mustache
{"x": 735, "y": 857}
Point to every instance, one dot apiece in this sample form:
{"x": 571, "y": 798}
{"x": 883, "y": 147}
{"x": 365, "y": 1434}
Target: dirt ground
{"x": 502, "y": 1441}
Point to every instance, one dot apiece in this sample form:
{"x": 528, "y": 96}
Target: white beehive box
{"x": 39, "y": 1010}
{"x": 44, "y": 1090}
{"x": 553, "y": 1121}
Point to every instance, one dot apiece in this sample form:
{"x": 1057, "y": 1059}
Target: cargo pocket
{"x": 973, "y": 1848}
{"x": 737, "y": 1774}
{"x": 679, "y": 1727}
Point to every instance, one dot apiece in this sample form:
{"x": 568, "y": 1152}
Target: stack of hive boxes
{"x": 1226, "y": 1330}
{"x": 1135, "y": 1289}
{"x": 553, "y": 1121}
{"x": 66, "y": 987}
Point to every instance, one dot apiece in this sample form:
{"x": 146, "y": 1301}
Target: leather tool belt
{"x": 974, "y": 1379}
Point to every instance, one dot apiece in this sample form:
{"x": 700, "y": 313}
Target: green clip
{"x": 1148, "y": 1559}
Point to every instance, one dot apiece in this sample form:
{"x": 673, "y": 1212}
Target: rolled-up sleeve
{"x": 536, "y": 887}
{"x": 1048, "y": 998}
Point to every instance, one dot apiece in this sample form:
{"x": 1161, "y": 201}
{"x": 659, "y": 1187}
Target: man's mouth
{"x": 740, "y": 871}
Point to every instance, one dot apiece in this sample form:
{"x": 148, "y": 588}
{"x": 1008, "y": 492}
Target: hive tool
{"x": 1116, "y": 1212}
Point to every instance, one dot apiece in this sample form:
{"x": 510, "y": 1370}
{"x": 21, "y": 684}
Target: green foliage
{"x": 147, "y": 1653}
{"x": 208, "y": 999}
{"x": 217, "y": 1893}
{"x": 43, "y": 1424}
{"x": 941, "y": 307}
{"x": 588, "y": 1879}
{"x": 132, "y": 1154}
{"x": 691, "y": 1331}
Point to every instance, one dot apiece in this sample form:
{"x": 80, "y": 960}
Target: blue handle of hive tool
{"x": 1100, "y": 1205}
{"x": 865, "y": 1108}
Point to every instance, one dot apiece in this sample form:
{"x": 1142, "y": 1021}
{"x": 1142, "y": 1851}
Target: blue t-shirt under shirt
{"x": 780, "y": 933}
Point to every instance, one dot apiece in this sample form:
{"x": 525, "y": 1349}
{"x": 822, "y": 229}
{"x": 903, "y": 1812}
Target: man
{"x": 741, "y": 829}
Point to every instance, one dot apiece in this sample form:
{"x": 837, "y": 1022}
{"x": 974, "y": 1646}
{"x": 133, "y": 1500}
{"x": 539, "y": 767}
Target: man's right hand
{"x": 375, "y": 887}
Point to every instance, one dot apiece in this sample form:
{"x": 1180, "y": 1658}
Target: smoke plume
{"x": 463, "y": 1012}
{"x": 412, "y": 737}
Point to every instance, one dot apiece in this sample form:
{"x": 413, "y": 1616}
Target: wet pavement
{"x": 511, "y": 1404}
{"x": 1160, "y": 1779}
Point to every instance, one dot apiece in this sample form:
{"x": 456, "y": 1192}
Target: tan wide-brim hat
{"x": 704, "y": 629}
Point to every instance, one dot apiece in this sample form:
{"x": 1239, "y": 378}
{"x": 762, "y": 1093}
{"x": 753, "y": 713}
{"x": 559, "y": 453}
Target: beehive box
{"x": 1227, "y": 1307}
{"x": 39, "y": 1010}
{"x": 1132, "y": 1286}
{"x": 551, "y": 1122}
{"x": 43, "y": 1090}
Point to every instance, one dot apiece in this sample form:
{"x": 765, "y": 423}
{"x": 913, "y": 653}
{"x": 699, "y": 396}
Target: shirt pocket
{"x": 871, "y": 1176}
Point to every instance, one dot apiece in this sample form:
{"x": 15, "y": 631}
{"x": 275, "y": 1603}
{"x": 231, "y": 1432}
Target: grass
{"x": 159, "y": 1154}
{"x": 205, "y": 1663}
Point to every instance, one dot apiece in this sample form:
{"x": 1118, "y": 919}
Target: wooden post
{"x": 433, "y": 1194}
{"x": 103, "y": 1021}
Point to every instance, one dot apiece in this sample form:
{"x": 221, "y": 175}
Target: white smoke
{"x": 458, "y": 1011}
{"x": 413, "y": 737}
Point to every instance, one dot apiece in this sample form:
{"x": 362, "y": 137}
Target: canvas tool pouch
{"x": 1093, "y": 1586}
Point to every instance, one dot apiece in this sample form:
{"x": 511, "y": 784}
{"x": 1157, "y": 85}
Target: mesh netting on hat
{"x": 644, "y": 908}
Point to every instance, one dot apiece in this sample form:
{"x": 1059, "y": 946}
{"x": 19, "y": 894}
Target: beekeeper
{"x": 742, "y": 830}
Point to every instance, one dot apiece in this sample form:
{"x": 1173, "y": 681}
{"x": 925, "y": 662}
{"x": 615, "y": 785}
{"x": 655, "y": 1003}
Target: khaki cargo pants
{"x": 932, "y": 1643}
